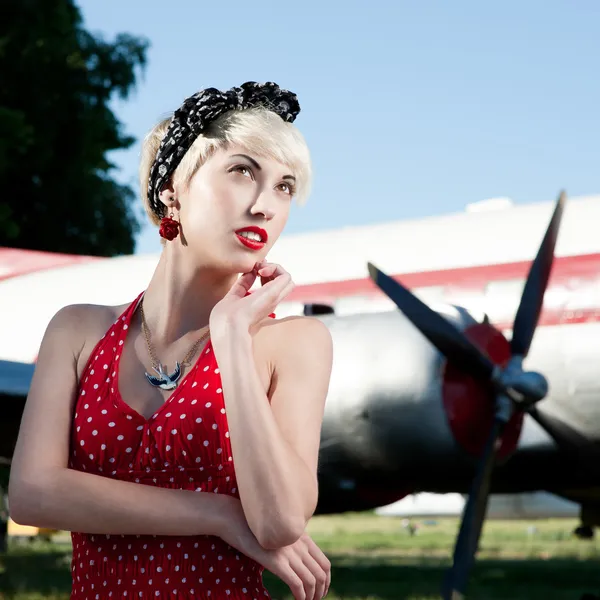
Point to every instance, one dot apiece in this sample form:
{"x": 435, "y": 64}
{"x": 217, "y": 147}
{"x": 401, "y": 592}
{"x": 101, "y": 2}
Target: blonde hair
{"x": 257, "y": 129}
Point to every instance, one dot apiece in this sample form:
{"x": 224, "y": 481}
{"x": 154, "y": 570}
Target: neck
{"x": 180, "y": 298}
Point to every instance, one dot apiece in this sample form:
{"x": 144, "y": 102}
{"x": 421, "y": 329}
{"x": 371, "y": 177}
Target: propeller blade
{"x": 442, "y": 334}
{"x": 473, "y": 516}
{"x": 535, "y": 286}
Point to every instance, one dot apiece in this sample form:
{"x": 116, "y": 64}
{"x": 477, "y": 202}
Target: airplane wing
{"x": 15, "y": 378}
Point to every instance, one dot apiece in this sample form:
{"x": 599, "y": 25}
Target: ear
{"x": 167, "y": 194}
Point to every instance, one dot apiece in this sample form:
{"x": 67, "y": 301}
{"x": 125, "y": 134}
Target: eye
{"x": 245, "y": 170}
{"x": 287, "y": 188}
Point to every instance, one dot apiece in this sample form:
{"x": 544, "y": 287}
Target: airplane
{"x": 406, "y": 412}
{"x": 526, "y": 506}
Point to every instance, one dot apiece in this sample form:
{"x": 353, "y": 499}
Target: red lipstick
{"x": 249, "y": 243}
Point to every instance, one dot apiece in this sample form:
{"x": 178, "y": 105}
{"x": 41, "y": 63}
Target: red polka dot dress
{"x": 183, "y": 445}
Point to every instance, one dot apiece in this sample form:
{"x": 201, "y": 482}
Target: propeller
{"x": 514, "y": 388}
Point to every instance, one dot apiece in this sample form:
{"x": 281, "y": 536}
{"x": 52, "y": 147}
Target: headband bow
{"x": 195, "y": 115}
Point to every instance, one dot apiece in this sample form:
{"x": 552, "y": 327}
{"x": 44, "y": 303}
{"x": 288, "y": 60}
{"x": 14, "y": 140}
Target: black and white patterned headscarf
{"x": 197, "y": 112}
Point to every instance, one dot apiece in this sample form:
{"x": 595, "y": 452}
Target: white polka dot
{"x": 181, "y": 400}
{"x": 219, "y": 390}
{"x": 111, "y": 424}
{"x": 214, "y": 426}
{"x": 86, "y": 406}
{"x": 82, "y": 443}
{"x": 91, "y": 457}
{"x": 219, "y": 450}
{"x": 216, "y": 370}
{"x": 140, "y": 427}
{"x": 198, "y": 459}
{"x": 168, "y": 448}
{"x": 205, "y": 386}
{"x": 104, "y": 411}
{"x": 222, "y": 411}
{"x": 159, "y": 428}
{"x": 168, "y": 415}
{"x": 95, "y": 432}
{"x": 89, "y": 419}
{"x": 208, "y": 405}
{"x": 128, "y": 450}
{"x": 206, "y": 368}
{"x": 190, "y": 436}
{"x": 227, "y": 434}
{"x": 120, "y": 437}
{"x": 182, "y": 416}
{"x": 206, "y": 442}
{"x": 174, "y": 431}
{"x": 194, "y": 401}
{"x": 103, "y": 447}
{"x": 199, "y": 420}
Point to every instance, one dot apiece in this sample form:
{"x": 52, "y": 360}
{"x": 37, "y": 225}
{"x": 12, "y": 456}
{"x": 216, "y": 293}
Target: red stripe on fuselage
{"x": 15, "y": 262}
{"x": 570, "y": 273}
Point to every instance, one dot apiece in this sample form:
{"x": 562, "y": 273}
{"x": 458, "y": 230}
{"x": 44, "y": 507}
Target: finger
{"x": 319, "y": 574}
{"x": 322, "y": 561}
{"x": 275, "y": 286}
{"x": 243, "y": 284}
{"x": 265, "y": 299}
{"x": 292, "y": 580}
{"x": 318, "y": 564}
{"x": 309, "y": 581}
{"x": 285, "y": 292}
{"x": 267, "y": 271}
{"x": 270, "y": 270}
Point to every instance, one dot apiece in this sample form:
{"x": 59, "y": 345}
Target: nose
{"x": 262, "y": 207}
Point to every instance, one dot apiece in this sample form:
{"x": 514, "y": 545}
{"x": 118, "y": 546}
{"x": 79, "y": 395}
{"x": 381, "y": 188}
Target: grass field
{"x": 375, "y": 558}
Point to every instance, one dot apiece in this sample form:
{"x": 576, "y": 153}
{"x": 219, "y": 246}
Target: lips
{"x": 252, "y": 244}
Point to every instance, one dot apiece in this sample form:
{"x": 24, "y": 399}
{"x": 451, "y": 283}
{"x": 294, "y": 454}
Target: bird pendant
{"x": 165, "y": 381}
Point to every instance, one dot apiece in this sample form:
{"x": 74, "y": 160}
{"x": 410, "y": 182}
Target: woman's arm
{"x": 44, "y": 492}
{"x": 275, "y": 444}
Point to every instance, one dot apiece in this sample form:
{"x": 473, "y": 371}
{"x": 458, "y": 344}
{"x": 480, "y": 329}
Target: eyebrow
{"x": 257, "y": 166}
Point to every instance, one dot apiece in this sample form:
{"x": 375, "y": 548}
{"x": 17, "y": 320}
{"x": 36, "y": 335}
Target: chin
{"x": 237, "y": 263}
{"x": 233, "y": 258}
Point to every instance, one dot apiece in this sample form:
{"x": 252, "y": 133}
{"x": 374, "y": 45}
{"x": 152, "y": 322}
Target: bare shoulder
{"x": 297, "y": 338}
{"x": 79, "y": 327}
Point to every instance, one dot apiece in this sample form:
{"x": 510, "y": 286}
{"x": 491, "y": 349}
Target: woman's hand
{"x": 302, "y": 565}
{"x": 240, "y": 310}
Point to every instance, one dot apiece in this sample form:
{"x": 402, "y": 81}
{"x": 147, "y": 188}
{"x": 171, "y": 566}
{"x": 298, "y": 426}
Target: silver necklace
{"x": 166, "y": 380}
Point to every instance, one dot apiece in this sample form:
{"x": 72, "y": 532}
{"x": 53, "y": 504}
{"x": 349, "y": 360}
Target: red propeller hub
{"x": 469, "y": 402}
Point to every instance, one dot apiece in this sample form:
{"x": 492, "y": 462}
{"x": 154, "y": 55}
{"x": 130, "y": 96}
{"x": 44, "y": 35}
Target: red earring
{"x": 169, "y": 228}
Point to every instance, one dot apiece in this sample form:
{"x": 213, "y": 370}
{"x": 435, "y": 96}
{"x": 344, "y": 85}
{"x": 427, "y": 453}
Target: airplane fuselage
{"x": 390, "y": 425}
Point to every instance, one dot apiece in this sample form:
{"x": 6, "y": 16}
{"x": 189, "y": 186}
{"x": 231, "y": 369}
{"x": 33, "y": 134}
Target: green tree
{"x": 56, "y": 128}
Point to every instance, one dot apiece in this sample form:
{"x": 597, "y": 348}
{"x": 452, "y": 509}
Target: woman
{"x": 193, "y": 376}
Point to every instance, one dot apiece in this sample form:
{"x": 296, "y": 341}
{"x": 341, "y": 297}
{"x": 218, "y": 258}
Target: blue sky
{"x": 410, "y": 108}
